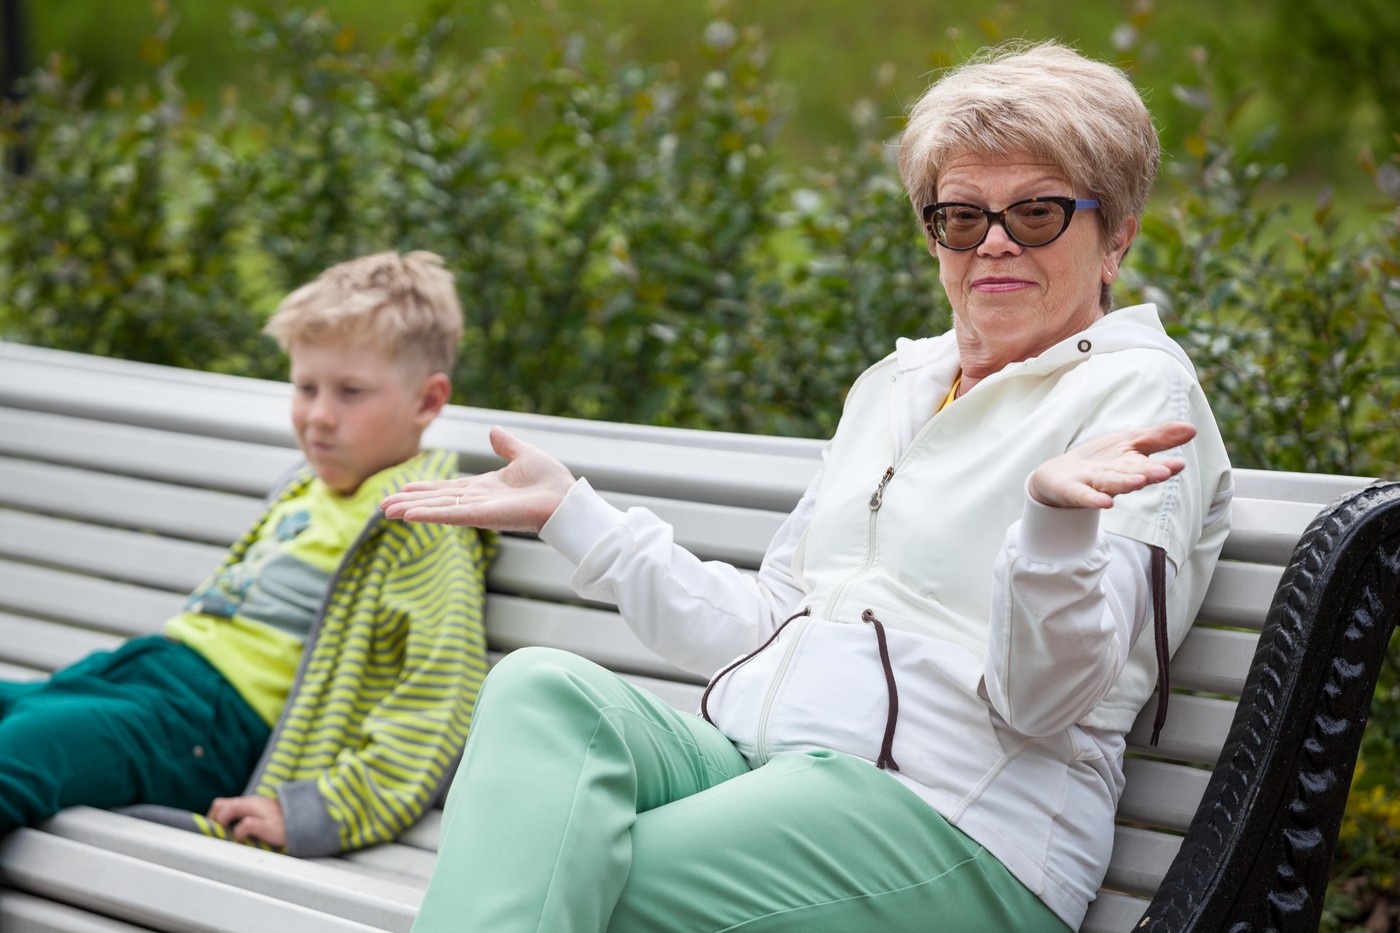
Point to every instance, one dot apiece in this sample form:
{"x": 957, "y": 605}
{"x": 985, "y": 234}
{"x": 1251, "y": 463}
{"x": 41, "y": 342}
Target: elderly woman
{"x": 917, "y": 709}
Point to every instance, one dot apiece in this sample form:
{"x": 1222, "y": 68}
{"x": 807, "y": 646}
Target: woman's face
{"x": 1012, "y": 302}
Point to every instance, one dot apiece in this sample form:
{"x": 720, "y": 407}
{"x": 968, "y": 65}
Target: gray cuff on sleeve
{"x": 310, "y": 829}
{"x": 582, "y": 519}
{"x": 1053, "y": 534}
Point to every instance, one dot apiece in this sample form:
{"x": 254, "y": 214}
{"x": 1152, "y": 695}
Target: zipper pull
{"x": 878, "y": 498}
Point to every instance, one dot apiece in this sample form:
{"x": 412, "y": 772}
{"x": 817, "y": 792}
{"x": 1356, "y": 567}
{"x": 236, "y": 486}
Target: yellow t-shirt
{"x": 251, "y": 619}
{"x": 952, "y": 393}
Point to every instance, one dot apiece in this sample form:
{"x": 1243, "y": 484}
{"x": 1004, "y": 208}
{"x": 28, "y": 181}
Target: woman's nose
{"x": 998, "y": 242}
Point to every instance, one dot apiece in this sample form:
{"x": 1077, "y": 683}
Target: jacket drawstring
{"x": 705, "y": 697}
{"x": 886, "y": 760}
{"x": 1159, "y": 626}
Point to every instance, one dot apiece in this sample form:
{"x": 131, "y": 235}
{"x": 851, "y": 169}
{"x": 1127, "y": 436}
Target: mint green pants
{"x": 585, "y": 804}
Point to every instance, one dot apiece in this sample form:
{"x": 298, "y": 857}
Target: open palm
{"x": 1090, "y": 475}
{"x": 521, "y": 496}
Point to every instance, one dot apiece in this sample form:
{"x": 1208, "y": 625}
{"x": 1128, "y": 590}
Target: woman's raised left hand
{"x": 1090, "y": 475}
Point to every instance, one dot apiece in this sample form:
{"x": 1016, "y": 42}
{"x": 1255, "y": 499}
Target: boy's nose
{"x": 322, "y": 413}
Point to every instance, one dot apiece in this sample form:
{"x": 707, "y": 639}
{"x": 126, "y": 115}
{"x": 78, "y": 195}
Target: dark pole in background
{"x": 13, "y": 68}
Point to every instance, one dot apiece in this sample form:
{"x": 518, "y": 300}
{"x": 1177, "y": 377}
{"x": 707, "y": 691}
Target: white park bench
{"x": 122, "y": 483}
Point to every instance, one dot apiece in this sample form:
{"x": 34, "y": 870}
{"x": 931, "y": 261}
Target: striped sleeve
{"x": 383, "y": 711}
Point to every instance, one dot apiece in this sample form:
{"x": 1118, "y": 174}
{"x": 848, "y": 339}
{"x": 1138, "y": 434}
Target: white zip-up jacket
{"x": 1011, "y": 628}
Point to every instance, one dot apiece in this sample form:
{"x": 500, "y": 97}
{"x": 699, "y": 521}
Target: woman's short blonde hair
{"x": 406, "y": 304}
{"x": 1046, "y": 101}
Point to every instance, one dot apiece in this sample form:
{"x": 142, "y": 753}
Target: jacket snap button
{"x": 198, "y": 751}
{"x": 1085, "y": 346}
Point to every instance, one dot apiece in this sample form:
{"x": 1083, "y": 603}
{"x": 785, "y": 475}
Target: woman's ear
{"x": 1114, "y": 257}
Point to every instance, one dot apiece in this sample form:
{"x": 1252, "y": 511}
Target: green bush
{"x": 1291, "y": 322}
{"x": 121, "y": 239}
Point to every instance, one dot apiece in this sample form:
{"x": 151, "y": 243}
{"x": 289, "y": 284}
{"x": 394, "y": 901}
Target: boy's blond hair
{"x": 405, "y": 304}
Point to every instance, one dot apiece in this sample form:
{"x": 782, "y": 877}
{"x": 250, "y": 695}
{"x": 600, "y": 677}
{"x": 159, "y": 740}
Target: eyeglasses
{"x": 1032, "y": 222}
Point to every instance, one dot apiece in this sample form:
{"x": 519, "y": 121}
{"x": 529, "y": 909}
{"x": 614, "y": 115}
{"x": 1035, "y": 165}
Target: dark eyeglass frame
{"x": 1068, "y": 205}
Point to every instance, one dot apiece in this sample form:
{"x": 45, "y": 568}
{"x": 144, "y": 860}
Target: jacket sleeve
{"x": 1072, "y": 590}
{"x": 1068, "y": 603}
{"x": 429, "y": 644}
{"x": 698, "y": 615}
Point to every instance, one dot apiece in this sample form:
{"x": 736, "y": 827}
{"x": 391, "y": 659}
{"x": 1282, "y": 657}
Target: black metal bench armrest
{"x": 1258, "y": 852}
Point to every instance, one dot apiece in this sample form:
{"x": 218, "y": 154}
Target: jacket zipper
{"x": 877, "y": 499}
{"x": 761, "y": 739}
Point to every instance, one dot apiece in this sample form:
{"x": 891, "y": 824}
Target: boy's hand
{"x": 1090, "y": 475}
{"x": 521, "y": 496}
{"x": 247, "y": 818}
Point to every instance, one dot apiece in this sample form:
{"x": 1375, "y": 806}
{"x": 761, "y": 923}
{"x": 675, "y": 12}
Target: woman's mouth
{"x": 999, "y": 284}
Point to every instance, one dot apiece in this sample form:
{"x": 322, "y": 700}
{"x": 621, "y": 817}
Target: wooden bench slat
{"x": 1213, "y": 660}
{"x": 1265, "y": 531}
{"x": 233, "y": 466}
{"x": 24, "y": 913}
{"x": 596, "y": 634}
{"x": 1239, "y": 594}
{"x": 135, "y": 557}
{"x": 1317, "y": 488}
{"x": 368, "y": 871}
{"x": 104, "y": 605}
{"x": 1161, "y": 794}
{"x": 405, "y": 864}
{"x": 737, "y": 536}
{"x": 297, "y": 884}
{"x": 47, "y": 646}
{"x": 15, "y": 672}
{"x": 196, "y": 410}
{"x": 146, "y": 892}
{"x": 1194, "y": 732}
{"x": 1140, "y": 860}
{"x": 184, "y": 512}
{"x": 527, "y": 567}
{"x": 1112, "y": 912}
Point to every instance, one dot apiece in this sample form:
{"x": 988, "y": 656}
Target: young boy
{"x": 334, "y": 656}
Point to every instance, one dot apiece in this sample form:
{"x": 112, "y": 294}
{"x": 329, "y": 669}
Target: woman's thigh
{"x": 812, "y": 843}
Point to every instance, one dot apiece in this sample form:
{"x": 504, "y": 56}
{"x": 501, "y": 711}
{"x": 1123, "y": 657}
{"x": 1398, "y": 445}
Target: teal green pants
{"x": 585, "y": 804}
{"x": 151, "y": 722}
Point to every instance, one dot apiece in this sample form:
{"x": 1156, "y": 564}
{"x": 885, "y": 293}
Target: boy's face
{"x": 356, "y": 411}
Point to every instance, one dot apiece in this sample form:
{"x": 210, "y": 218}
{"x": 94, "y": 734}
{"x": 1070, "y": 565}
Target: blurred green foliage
{"x": 1325, "y": 70}
{"x": 632, "y": 241}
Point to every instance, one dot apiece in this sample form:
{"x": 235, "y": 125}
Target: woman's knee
{"x": 534, "y": 675}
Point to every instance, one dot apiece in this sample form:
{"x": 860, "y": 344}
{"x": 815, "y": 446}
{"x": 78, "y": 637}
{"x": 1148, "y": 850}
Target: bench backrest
{"x": 121, "y": 483}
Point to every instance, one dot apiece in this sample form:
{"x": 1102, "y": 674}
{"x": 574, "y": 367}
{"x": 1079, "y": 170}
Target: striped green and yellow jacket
{"x": 379, "y": 710}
